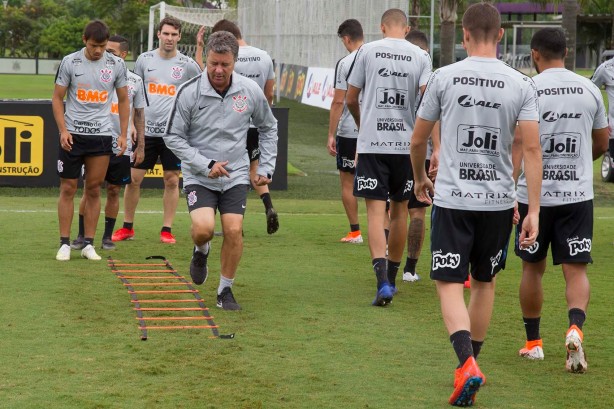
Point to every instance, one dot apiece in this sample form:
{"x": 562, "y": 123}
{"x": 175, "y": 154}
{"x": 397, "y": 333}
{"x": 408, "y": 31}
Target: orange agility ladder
{"x": 161, "y": 281}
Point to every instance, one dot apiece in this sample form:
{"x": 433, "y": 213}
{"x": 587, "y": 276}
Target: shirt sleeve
{"x": 598, "y": 77}
{"x": 64, "y": 74}
{"x": 530, "y": 107}
{"x": 193, "y": 68}
{"x": 121, "y": 79}
{"x": 427, "y": 69}
{"x": 601, "y": 117}
{"x": 341, "y": 75}
{"x": 139, "y": 68}
{"x": 430, "y": 104}
{"x": 356, "y": 74}
{"x": 271, "y": 70}
{"x": 140, "y": 98}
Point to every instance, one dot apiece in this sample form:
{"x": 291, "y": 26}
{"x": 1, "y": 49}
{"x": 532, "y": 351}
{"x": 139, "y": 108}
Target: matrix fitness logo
{"x": 21, "y": 145}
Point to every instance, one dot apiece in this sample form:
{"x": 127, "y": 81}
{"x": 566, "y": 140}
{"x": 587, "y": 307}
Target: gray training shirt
{"x": 604, "y": 75}
{"x": 478, "y": 101}
{"x": 255, "y": 64}
{"x": 347, "y": 126}
{"x": 389, "y": 72}
{"x": 138, "y": 99}
{"x": 570, "y": 107}
{"x": 162, "y": 77}
{"x": 90, "y": 87}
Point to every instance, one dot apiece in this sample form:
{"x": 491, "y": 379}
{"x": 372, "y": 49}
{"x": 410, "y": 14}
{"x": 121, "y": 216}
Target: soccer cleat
{"x": 78, "y": 243}
{"x": 458, "y": 376}
{"x": 107, "y": 244}
{"x": 467, "y": 383}
{"x": 352, "y": 237}
{"x": 167, "y": 237}
{"x": 89, "y": 252}
{"x": 272, "y": 221}
{"x": 533, "y": 350}
{"x": 123, "y": 234}
{"x": 227, "y": 301}
{"x": 576, "y": 358}
{"x": 198, "y": 266}
{"x": 383, "y": 296}
{"x": 467, "y": 283}
{"x": 63, "y": 253}
{"x": 410, "y": 277}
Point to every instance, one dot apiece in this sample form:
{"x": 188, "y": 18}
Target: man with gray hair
{"x": 207, "y": 130}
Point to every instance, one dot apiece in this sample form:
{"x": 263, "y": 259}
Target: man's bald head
{"x": 394, "y": 18}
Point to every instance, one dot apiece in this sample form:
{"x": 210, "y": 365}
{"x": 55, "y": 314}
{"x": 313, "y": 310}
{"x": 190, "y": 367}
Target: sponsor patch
{"x": 449, "y": 260}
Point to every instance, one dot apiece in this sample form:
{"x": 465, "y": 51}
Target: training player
{"x": 573, "y": 133}
{"x": 342, "y": 130}
{"x": 604, "y": 77}
{"x": 207, "y": 130}
{"x": 257, "y": 65}
{"x": 417, "y": 209}
{"x": 163, "y": 70}
{"x": 118, "y": 172}
{"x": 389, "y": 72}
{"x": 478, "y": 101}
{"x": 86, "y": 78}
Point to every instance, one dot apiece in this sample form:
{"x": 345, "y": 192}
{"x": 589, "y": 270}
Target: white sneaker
{"x": 576, "y": 360}
{"x": 63, "y": 253}
{"x": 89, "y": 252}
{"x": 410, "y": 277}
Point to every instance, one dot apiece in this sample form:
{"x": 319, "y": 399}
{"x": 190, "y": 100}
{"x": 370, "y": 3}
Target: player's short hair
{"x": 483, "y": 22}
{"x": 351, "y": 28}
{"x": 550, "y": 43}
{"x": 223, "y": 42}
{"x": 394, "y": 17}
{"x": 417, "y": 37}
{"x": 96, "y": 30}
{"x": 170, "y": 21}
{"x": 227, "y": 25}
{"x": 124, "y": 45}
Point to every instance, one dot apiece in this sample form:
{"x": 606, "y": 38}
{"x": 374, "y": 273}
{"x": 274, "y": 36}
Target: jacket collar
{"x": 207, "y": 89}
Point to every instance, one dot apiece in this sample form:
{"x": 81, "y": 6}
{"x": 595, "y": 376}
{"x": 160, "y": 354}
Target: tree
{"x": 447, "y": 36}
{"x": 570, "y": 25}
{"x": 63, "y": 36}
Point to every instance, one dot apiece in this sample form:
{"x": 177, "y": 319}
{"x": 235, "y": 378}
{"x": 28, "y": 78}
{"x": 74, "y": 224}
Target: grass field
{"x": 307, "y": 336}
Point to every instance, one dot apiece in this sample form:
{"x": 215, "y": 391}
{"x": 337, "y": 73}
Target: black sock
{"x": 64, "y": 240}
{"x": 576, "y": 317}
{"x": 461, "y": 342}
{"x": 128, "y": 225}
{"x": 165, "y": 229}
{"x": 531, "y": 326}
{"x": 354, "y": 227}
{"x": 109, "y": 225}
{"x": 379, "y": 266}
{"x": 266, "y": 200}
{"x": 81, "y": 225}
{"x": 88, "y": 240}
{"x": 393, "y": 269}
{"x": 477, "y": 347}
{"x": 410, "y": 265}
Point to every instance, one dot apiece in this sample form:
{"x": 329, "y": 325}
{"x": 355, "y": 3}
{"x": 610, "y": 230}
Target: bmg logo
{"x": 21, "y": 145}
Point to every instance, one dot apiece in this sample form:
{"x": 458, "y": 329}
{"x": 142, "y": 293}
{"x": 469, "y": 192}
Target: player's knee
{"x": 68, "y": 188}
{"x": 171, "y": 181}
{"x": 201, "y": 232}
{"x": 233, "y": 232}
{"x": 113, "y": 192}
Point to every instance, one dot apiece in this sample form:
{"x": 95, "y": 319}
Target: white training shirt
{"x": 389, "y": 72}
{"x": 255, "y": 64}
{"x": 347, "y": 126}
{"x": 162, "y": 77}
{"x": 478, "y": 101}
{"x": 138, "y": 99}
{"x": 570, "y": 107}
{"x": 604, "y": 75}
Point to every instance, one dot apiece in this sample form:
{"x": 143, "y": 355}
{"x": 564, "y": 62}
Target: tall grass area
{"x": 307, "y": 336}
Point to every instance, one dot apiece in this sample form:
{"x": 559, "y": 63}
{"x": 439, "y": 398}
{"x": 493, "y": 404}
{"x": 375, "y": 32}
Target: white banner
{"x": 319, "y": 87}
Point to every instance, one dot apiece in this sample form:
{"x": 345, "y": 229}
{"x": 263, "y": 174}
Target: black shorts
{"x": 118, "y": 172}
{"x": 70, "y": 163}
{"x": 232, "y": 200}
{"x": 156, "y": 148}
{"x": 463, "y": 237}
{"x": 346, "y": 154}
{"x": 567, "y": 229}
{"x": 382, "y": 176}
{"x": 253, "y": 147}
{"x": 414, "y": 203}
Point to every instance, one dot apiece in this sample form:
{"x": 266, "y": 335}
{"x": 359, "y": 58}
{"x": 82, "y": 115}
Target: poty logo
{"x": 579, "y": 246}
{"x": 449, "y": 260}
{"x": 240, "y": 103}
{"x": 177, "y": 73}
{"x": 385, "y": 72}
{"x": 192, "y": 198}
{"x": 60, "y": 166}
{"x": 532, "y": 249}
{"x": 347, "y": 163}
{"x": 467, "y": 101}
{"x": 494, "y": 261}
{"x": 363, "y": 183}
{"x": 409, "y": 185}
{"x": 105, "y": 75}
{"x": 255, "y": 153}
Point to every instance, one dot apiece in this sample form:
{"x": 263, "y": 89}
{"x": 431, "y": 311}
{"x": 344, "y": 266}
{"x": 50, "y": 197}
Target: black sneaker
{"x": 107, "y": 244}
{"x": 78, "y": 243}
{"x": 227, "y": 301}
{"x": 272, "y": 221}
{"x": 198, "y": 266}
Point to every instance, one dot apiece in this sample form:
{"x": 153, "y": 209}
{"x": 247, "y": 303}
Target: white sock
{"x": 224, "y": 282}
{"x": 204, "y": 248}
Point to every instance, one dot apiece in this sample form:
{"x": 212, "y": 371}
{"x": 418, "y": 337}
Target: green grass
{"x": 307, "y": 336}
{"x": 21, "y": 86}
